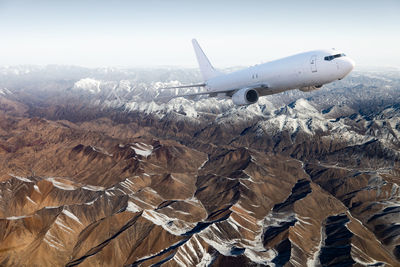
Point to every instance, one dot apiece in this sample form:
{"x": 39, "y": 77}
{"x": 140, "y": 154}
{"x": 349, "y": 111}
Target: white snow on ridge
{"x": 100, "y": 150}
{"x": 203, "y": 164}
{"x": 206, "y": 260}
{"x": 23, "y": 179}
{"x": 63, "y": 226}
{"x": 132, "y": 207}
{"x": 222, "y": 246}
{"x": 314, "y": 261}
{"x": 300, "y": 115}
{"x": 91, "y": 85}
{"x": 254, "y": 249}
{"x": 61, "y": 185}
{"x": 178, "y": 105}
{"x": 52, "y": 241}
{"x": 125, "y": 85}
{"x": 16, "y": 217}
{"x": 177, "y": 227}
{"x": 71, "y": 215}
{"x": 360, "y": 257}
{"x": 5, "y": 91}
{"x": 93, "y": 188}
{"x": 193, "y": 252}
{"x": 142, "y": 149}
{"x": 30, "y": 200}
{"x": 144, "y": 107}
{"x": 303, "y": 106}
{"x": 37, "y": 189}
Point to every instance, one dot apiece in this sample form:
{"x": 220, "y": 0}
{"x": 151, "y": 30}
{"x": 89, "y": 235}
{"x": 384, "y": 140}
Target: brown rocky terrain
{"x": 93, "y": 185}
{"x": 92, "y": 194}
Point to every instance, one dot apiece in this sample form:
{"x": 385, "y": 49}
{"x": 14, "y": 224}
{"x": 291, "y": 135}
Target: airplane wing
{"x": 184, "y": 86}
{"x": 166, "y": 99}
{"x": 229, "y": 92}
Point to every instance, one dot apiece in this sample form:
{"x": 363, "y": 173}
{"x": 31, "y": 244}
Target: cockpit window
{"x": 329, "y": 58}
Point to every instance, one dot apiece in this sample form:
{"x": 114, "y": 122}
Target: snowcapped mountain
{"x": 91, "y": 85}
{"x": 5, "y": 91}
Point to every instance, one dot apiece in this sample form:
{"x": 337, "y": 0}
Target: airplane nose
{"x": 346, "y": 66}
{"x": 352, "y": 64}
{"x": 349, "y": 64}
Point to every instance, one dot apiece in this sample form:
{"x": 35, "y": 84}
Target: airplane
{"x": 305, "y": 71}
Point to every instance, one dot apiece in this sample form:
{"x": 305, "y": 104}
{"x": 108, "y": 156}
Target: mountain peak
{"x": 89, "y": 84}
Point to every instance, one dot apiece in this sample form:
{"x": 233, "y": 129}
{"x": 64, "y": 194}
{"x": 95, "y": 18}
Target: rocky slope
{"x": 91, "y": 178}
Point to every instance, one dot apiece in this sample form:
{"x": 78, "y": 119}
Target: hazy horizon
{"x": 185, "y": 67}
{"x": 158, "y": 33}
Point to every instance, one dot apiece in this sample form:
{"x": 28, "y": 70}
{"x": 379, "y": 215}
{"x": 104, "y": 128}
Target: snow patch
{"x": 101, "y": 150}
{"x": 23, "y": 179}
{"x": 93, "y": 188}
{"x": 142, "y": 149}
{"x": 361, "y": 258}
{"x": 72, "y": 216}
{"x": 302, "y": 220}
{"x": 172, "y": 225}
{"x": 88, "y": 84}
{"x": 132, "y": 207}
{"x": 91, "y": 202}
{"x": 16, "y": 217}
{"x": 63, "y": 226}
{"x": 203, "y": 164}
{"x": 314, "y": 261}
{"x": 37, "y": 189}
{"x": 61, "y": 185}
{"x": 30, "y": 200}
{"x": 52, "y": 241}
{"x": 5, "y": 91}
{"x": 206, "y": 260}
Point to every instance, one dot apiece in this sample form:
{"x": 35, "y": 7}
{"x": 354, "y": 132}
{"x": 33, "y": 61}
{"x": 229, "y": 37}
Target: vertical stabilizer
{"x": 206, "y": 69}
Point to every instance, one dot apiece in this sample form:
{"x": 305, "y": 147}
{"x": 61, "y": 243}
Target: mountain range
{"x": 95, "y": 171}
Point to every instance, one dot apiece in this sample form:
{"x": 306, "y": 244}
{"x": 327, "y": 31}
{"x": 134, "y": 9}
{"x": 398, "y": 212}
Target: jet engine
{"x": 245, "y": 96}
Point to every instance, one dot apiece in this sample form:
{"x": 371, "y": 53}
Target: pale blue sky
{"x": 153, "y": 33}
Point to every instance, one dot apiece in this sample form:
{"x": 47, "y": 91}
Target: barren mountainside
{"x": 93, "y": 172}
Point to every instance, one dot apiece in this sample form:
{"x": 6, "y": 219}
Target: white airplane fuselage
{"x": 299, "y": 71}
{"x": 306, "y": 71}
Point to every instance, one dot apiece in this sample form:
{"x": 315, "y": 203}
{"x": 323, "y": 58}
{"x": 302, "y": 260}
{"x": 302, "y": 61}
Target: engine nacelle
{"x": 245, "y": 96}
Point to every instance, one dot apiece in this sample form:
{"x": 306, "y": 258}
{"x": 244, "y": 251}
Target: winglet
{"x": 206, "y": 69}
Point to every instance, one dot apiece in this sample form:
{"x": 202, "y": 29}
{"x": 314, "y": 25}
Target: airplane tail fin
{"x": 206, "y": 69}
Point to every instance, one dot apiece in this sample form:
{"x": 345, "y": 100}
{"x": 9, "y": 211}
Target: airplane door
{"x": 313, "y": 63}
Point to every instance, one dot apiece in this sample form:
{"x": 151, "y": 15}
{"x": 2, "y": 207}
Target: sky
{"x": 97, "y": 33}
